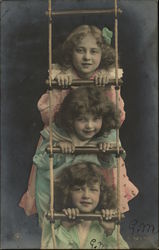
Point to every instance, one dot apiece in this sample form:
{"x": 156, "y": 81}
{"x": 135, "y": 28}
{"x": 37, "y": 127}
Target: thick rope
{"x": 50, "y": 128}
{"x": 117, "y": 130}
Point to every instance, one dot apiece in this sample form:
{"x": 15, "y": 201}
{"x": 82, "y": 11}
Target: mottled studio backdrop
{"x": 24, "y": 57}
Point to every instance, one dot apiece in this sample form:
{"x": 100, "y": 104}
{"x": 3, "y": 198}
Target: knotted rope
{"x": 117, "y": 88}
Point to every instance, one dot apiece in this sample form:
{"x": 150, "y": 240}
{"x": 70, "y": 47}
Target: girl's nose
{"x": 87, "y": 55}
{"x": 89, "y": 124}
{"x": 86, "y": 193}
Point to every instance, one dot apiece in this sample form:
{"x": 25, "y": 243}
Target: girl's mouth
{"x": 89, "y": 131}
{"x": 86, "y": 203}
{"x": 86, "y": 64}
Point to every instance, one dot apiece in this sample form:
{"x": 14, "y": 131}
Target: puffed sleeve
{"x": 111, "y": 241}
{"x": 108, "y": 160}
{"x": 64, "y": 239}
{"x": 57, "y": 97}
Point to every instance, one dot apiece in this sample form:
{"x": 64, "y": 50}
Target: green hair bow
{"x": 107, "y": 35}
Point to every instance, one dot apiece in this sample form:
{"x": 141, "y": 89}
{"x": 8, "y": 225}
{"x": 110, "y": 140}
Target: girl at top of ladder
{"x": 86, "y": 54}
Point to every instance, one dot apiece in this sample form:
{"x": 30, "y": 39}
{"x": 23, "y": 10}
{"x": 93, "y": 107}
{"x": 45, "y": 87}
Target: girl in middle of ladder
{"x": 86, "y": 118}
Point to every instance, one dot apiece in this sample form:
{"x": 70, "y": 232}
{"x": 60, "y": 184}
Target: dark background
{"x": 24, "y": 58}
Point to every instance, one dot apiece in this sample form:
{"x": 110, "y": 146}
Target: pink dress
{"x": 128, "y": 190}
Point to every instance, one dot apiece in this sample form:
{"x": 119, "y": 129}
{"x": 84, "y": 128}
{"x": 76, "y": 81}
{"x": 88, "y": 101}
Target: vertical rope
{"x": 50, "y": 128}
{"x": 117, "y": 130}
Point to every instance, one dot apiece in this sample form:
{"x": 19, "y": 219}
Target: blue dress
{"x": 70, "y": 238}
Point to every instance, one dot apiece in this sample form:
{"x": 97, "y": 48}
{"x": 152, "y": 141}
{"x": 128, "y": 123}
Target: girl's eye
{"x": 79, "y": 50}
{"x": 81, "y": 119}
{"x": 76, "y": 188}
{"x": 94, "y": 51}
{"x": 94, "y": 189}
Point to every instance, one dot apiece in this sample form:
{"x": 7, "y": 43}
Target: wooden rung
{"x": 77, "y": 83}
{"x": 86, "y": 216}
{"x": 76, "y": 12}
{"x": 88, "y": 149}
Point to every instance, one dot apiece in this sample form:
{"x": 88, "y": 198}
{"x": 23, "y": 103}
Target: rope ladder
{"x": 51, "y": 216}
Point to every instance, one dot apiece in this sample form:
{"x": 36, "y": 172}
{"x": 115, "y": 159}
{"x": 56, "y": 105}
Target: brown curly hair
{"x": 81, "y": 174}
{"x": 63, "y": 54}
{"x": 92, "y": 100}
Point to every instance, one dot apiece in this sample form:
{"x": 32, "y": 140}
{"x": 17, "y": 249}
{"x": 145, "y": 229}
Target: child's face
{"x": 86, "y": 197}
{"x": 86, "y": 56}
{"x": 87, "y": 126}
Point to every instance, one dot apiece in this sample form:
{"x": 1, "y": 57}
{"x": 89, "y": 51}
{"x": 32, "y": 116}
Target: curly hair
{"x": 81, "y": 174}
{"x": 63, "y": 54}
{"x": 84, "y": 100}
